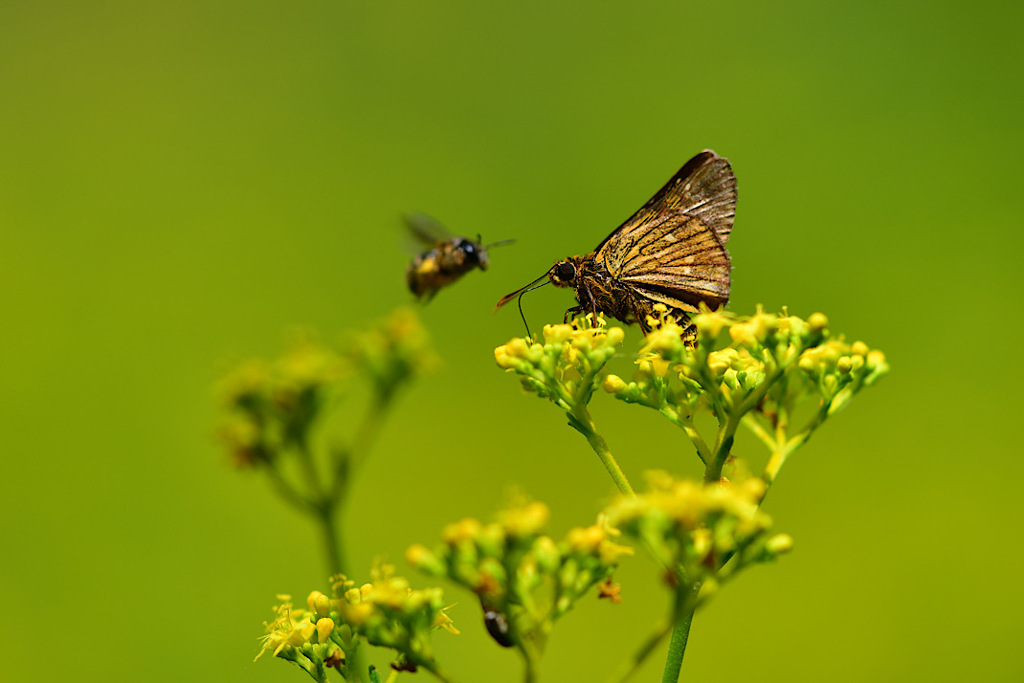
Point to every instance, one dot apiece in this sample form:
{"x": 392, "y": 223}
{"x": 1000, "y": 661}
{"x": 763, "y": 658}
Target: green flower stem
{"x": 778, "y": 457}
{"x": 685, "y": 606}
{"x": 332, "y": 546}
{"x": 439, "y": 673}
{"x": 370, "y": 428}
{"x": 531, "y": 660}
{"x": 580, "y": 420}
{"x": 631, "y": 666}
{"x": 684, "y": 423}
{"x": 723, "y": 446}
{"x": 392, "y": 677}
{"x": 287, "y": 491}
{"x": 751, "y": 422}
{"x": 308, "y": 466}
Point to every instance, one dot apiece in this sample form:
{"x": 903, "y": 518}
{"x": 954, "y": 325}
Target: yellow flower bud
{"x": 324, "y": 629}
{"x": 614, "y": 384}
{"x": 557, "y": 334}
{"x": 586, "y": 539}
{"x": 546, "y": 552}
{"x": 859, "y": 348}
{"x": 526, "y": 520}
{"x": 779, "y": 543}
{"x": 319, "y": 603}
{"x": 422, "y": 558}
{"x": 845, "y": 364}
{"x": 875, "y": 359}
{"x": 465, "y": 529}
{"x": 503, "y": 358}
{"x": 817, "y": 322}
{"x": 517, "y": 348}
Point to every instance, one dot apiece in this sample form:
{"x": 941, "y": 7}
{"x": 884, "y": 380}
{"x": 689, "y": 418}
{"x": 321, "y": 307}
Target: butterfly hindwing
{"x": 673, "y": 258}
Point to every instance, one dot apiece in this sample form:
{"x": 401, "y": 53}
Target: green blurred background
{"x": 181, "y": 183}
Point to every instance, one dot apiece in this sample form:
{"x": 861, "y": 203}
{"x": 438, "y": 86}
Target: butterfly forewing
{"x": 705, "y": 187}
{"x": 673, "y": 258}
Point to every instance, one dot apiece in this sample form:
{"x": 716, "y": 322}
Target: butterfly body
{"x": 671, "y": 252}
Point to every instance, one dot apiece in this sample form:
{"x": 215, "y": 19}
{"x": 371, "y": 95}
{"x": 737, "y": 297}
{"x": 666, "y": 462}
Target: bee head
{"x": 563, "y": 273}
{"x": 472, "y": 253}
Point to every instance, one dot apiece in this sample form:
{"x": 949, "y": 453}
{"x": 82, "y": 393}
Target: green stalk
{"x": 531, "y": 669}
{"x": 332, "y": 546}
{"x": 580, "y": 420}
{"x": 680, "y": 634}
{"x": 630, "y": 667}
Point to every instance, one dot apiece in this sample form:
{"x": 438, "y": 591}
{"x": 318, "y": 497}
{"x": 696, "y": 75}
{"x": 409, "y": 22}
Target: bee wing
{"x": 426, "y": 229}
{"x": 705, "y": 188}
{"x": 673, "y": 258}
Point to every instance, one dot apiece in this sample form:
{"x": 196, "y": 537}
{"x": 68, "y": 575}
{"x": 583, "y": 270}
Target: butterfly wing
{"x": 426, "y": 229}
{"x": 672, "y": 258}
{"x": 705, "y": 188}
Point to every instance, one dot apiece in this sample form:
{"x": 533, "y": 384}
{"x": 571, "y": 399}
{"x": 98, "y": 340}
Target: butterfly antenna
{"x": 500, "y": 243}
{"x": 519, "y": 293}
{"x": 529, "y": 335}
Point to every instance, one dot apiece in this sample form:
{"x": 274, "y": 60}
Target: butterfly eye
{"x": 565, "y": 271}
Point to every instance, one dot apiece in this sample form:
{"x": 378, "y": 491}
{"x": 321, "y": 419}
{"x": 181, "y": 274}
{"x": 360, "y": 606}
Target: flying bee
{"x": 448, "y": 258}
{"x": 671, "y": 251}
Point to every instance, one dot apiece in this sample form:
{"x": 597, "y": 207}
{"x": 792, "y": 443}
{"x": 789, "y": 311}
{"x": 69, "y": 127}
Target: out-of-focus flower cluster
{"x": 525, "y": 580}
{"x": 269, "y": 406}
{"x": 386, "y": 613}
{"x": 705, "y": 532}
{"x": 393, "y": 351}
{"x": 568, "y": 366}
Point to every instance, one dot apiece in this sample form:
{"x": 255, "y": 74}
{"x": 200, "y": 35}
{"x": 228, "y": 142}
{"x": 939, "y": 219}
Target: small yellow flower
{"x": 442, "y": 620}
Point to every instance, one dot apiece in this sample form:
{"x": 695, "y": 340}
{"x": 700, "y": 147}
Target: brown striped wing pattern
{"x": 705, "y": 188}
{"x": 672, "y": 250}
{"x": 673, "y": 258}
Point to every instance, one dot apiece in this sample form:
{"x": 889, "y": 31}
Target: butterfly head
{"x": 563, "y": 273}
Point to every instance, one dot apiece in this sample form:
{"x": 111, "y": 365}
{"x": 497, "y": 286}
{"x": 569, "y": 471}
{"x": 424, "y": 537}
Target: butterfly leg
{"x": 572, "y": 311}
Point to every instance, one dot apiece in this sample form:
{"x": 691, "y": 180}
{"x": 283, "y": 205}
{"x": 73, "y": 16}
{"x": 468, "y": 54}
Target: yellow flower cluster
{"x": 387, "y": 612}
{"x": 762, "y": 368}
{"x": 523, "y": 578}
{"x": 697, "y": 528}
{"x": 564, "y": 368}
